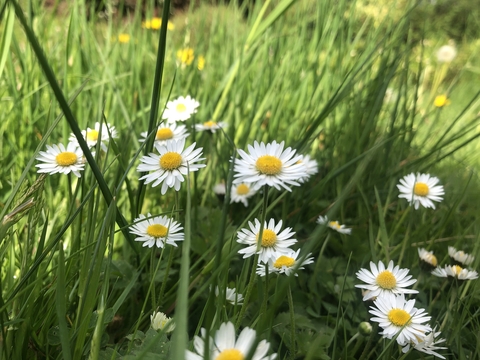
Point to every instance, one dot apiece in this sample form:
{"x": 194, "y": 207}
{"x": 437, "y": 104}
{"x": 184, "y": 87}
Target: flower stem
{"x": 167, "y": 270}
{"x": 292, "y": 322}
{"x": 255, "y": 260}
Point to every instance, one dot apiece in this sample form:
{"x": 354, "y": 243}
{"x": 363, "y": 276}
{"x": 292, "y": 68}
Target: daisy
{"x": 91, "y": 136}
{"x": 284, "y": 263}
{"x": 159, "y": 230}
{"x": 57, "y": 159}
{"x": 180, "y": 109}
{"x": 428, "y": 344}
{"x": 241, "y": 193}
{"x": 211, "y": 126}
{"x": 322, "y": 220}
{"x": 420, "y": 189}
{"x": 171, "y": 165}
{"x": 269, "y": 165}
{"x": 381, "y": 281}
{"x": 455, "y": 271}
{"x": 427, "y": 257}
{"x": 397, "y": 316}
{"x": 311, "y": 167}
{"x": 446, "y": 53}
{"x": 224, "y": 345}
{"x": 166, "y": 132}
{"x": 460, "y": 256}
{"x": 273, "y": 241}
{"x": 220, "y": 189}
{"x": 231, "y": 296}
{"x": 160, "y": 321}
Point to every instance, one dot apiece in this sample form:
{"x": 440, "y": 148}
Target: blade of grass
{"x": 122, "y": 223}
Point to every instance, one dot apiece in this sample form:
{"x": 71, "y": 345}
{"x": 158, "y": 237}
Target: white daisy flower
{"x": 241, "y": 193}
{"x": 269, "y": 165}
{"x": 272, "y": 241}
{"x": 427, "y": 257}
{"x": 460, "y": 256}
{"x": 91, "y": 136}
{"x": 231, "y": 296}
{"x": 455, "y": 271}
{"x": 311, "y": 167}
{"x": 284, "y": 263}
{"x": 322, "y": 220}
{"x": 159, "y": 230}
{"x": 225, "y": 346}
{"x": 211, "y": 126}
{"x": 57, "y": 159}
{"x": 397, "y": 316}
{"x": 166, "y": 132}
{"x": 428, "y": 344}
{"x": 180, "y": 109}
{"x": 220, "y": 188}
{"x": 171, "y": 165}
{"x": 382, "y": 281}
{"x": 446, "y": 53}
{"x": 420, "y": 189}
{"x": 159, "y": 321}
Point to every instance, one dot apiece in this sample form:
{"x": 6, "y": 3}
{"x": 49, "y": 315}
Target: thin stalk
{"x": 251, "y": 281}
{"x": 292, "y": 321}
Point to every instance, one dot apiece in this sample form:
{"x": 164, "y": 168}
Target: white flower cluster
{"x": 58, "y": 159}
{"x": 398, "y": 317}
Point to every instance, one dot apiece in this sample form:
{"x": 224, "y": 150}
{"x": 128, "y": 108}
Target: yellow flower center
{"x": 164, "y": 134}
{"x": 420, "y": 189}
{"x": 457, "y": 269}
{"x": 92, "y": 135}
{"x": 243, "y": 189}
{"x": 334, "y": 224}
{"x": 386, "y": 280}
{"x": 399, "y": 317}
{"x": 284, "y": 261}
{"x": 269, "y": 238}
{"x": 269, "y": 165}
{"x": 171, "y": 161}
{"x": 210, "y": 124}
{"x": 66, "y": 158}
{"x": 157, "y": 230}
{"x": 230, "y": 354}
{"x": 181, "y": 108}
{"x": 431, "y": 259}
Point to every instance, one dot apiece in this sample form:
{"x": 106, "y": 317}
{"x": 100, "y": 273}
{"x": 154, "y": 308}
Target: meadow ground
{"x": 101, "y": 236}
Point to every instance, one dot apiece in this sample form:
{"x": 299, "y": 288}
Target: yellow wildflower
{"x": 123, "y": 38}
{"x": 441, "y": 101}
{"x": 156, "y": 23}
{"x": 200, "y": 62}
{"x": 185, "y": 56}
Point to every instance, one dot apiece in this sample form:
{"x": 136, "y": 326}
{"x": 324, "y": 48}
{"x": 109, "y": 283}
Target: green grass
{"x": 75, "y": 284}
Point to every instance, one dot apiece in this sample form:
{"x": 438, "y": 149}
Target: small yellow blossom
{"x": 441, "y": 101}
{"x": 123, "y": 38}
{"x": 185, "y": 56}
{"x": 156, "y": 23}
{"x": 200, "y": 62}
